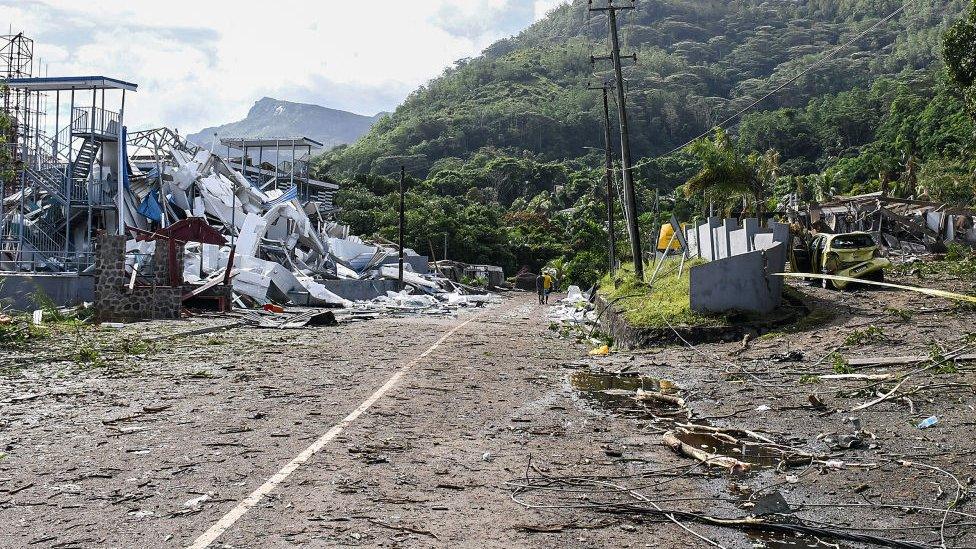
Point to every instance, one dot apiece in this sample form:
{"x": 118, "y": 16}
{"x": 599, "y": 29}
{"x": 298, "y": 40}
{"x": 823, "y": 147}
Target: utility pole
{"x": 608, "y": 153}
{"x": 402, "y": 175}
{"x": 630, "y": 196}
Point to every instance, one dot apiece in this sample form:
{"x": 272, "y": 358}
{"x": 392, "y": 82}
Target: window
{"x": 852, "y": 241}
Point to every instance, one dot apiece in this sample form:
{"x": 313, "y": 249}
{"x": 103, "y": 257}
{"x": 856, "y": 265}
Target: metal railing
{"x": 94, "y": 120}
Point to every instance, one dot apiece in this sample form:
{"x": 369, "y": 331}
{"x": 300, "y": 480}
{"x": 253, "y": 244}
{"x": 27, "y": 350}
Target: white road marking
{"x": 245, "y": 505}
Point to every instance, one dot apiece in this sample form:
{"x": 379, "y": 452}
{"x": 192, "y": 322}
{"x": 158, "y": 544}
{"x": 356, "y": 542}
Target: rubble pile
{"x": 278, "y": 247}
{"x": 903, "y": 224}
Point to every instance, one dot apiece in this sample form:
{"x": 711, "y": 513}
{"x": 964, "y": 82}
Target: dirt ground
{"x": 504, "y": 435}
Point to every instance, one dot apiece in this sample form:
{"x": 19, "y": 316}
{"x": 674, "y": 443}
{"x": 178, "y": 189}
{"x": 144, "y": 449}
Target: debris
{"x": 771, "y": 504}
{"x": 881, "y": 398}
{"x": 865, "y": 377}
{"x": 195, "y": 502}
{"x": 671, "y": 440}
{"x": 602, "y": 350}
{"x": 37, "y": 318}
{"x": 928, "y": 422}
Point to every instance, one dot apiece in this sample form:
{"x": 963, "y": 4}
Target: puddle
{"x": 616, "y": 392}
{"x": 755, "y": 454}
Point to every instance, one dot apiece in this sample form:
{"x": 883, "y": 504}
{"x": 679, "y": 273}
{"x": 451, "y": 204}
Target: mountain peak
{"x": 270, "y": 117}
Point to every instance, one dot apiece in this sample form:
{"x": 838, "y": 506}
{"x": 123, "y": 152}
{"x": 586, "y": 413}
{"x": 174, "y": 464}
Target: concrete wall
{"x": 738, "y": 283}
{"x": 742, "y": 261}
{"x": 64, "y": 289}
{"x": 419, "y": 263}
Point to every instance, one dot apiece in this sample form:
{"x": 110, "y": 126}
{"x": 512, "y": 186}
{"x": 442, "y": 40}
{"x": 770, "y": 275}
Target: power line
{"x": 779, "y": 88}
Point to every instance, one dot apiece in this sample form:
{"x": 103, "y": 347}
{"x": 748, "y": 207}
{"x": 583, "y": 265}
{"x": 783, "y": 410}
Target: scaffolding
{"x": 70, "y": 177}
{"x": 16, "y": 61}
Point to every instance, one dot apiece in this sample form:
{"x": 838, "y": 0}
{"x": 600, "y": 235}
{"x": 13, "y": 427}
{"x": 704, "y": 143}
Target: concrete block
{"x": 781, "y": 231}
{"x": 751, "y": 226}
{"x": 691, "y": 235}
{"x": 739, "y": 243}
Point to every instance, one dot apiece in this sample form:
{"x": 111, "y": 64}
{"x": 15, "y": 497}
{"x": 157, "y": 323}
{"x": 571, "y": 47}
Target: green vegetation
{"x": 6, "y": 159}
{"x": 496, "y": 147}
{"x": 840, "y": 364}
{"x": 667, "y": 302}
{"x": 18, "y": 332}
{"x": 86, "y": 354}
{"x": 959, "y": 261}
{"x": 872, "y": 334}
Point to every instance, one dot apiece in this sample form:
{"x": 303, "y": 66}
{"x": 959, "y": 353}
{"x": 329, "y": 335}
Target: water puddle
{"x": 754, "y": 454}
{"x": 618, "y": 393}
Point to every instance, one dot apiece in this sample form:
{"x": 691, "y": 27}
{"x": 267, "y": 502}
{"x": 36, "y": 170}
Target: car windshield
{"x": 852, "y": 241}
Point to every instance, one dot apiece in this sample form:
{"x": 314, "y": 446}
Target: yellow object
{"x": 667, "y": 231}
{"x": 547, "y": 282}
{"x": 603, "y": 350}
{"x": 926, "y": 291}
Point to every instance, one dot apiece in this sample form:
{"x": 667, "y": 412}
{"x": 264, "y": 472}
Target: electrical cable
{"x": 830, "y": 55}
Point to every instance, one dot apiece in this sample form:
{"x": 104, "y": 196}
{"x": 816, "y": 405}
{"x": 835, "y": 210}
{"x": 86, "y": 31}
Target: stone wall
{"x": 114, "y": 302}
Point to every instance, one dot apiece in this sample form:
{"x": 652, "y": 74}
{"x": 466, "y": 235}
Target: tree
{"x": 726, "y": 173}
{"x": 6, "y": 159}
{"x": 959, "y": 51}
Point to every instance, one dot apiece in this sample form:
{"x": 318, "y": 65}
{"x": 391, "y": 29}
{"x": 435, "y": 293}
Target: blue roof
{"x": 55, "y": 83}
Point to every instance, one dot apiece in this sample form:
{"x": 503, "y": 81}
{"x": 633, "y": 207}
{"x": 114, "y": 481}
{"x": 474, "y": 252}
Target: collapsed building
{"x": 909, "y": 225}
{"x": 80, "y": 175}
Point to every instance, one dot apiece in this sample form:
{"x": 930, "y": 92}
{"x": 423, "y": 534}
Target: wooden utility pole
{"x": 630, "y": 196}
{"x": 608, "y": 154}
{"x": 402, "y": 176}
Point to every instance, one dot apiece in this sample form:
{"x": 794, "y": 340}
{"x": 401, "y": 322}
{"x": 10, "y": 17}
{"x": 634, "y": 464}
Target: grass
{"x": 959, "y": 261}
{"x": 872, "y": 334}
{"x": 667, "y": 302}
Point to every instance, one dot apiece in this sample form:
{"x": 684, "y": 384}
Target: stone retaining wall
{"x": 114, "y": 302}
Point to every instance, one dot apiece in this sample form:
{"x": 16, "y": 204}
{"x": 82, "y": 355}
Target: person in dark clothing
{"x": 540, "y": 288}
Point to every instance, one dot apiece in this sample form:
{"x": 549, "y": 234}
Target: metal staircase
{"x": 81, "y": 169}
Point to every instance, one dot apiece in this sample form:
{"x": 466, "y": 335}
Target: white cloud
{"x": 543, "y": 7}
{"x": 199, "y": 63}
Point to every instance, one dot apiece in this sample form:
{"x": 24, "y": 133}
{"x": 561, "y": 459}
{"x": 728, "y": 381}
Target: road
{"x": 154, "y": 449}
{"x": 484, "y": 429}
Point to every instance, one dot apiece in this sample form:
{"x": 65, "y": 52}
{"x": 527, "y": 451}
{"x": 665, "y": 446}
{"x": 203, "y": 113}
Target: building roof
{"x": 269, "y": 142}
{"x": 70, "y": 83}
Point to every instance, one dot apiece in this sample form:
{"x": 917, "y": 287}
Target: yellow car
{"x": 854, "y": 255}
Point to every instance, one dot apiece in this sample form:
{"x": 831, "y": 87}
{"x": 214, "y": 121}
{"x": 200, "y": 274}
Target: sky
{"x": 205, "y": 62}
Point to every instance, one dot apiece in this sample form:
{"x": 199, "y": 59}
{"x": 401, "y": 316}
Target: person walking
{"x": 540, "y": 288}
{"x": 547, "y": 284}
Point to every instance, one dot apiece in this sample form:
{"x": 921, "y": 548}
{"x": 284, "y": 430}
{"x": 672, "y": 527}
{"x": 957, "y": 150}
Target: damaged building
{"x": 81, "y": 175}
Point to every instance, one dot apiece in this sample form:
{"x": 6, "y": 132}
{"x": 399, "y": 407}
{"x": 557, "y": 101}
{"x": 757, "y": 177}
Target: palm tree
{"x": 728, "y": 174}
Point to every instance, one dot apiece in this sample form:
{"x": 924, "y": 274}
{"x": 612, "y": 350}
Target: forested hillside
{"x": 508, "y": 131}
{"x": 698, "y": 61}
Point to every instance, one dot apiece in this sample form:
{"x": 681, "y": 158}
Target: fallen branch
{"x": 881, "y": 398}
{"x": 865, "y": 377}
{"x": 671, "y": 440}
{"x": 660, "y": 397}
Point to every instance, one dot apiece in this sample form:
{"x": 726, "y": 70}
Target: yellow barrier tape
{"x": 927, "y": 291}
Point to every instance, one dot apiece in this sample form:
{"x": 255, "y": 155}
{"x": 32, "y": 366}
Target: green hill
{"x": 497, "y": 154}
{"x": 698, "y": 61}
